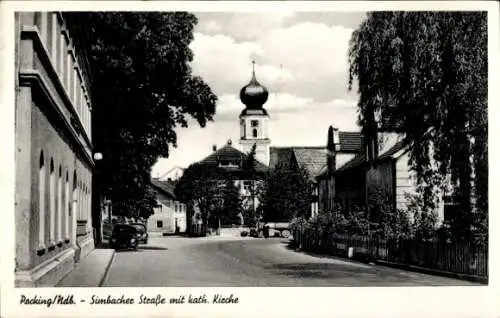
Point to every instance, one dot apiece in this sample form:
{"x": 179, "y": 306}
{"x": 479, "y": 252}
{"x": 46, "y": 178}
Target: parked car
{"x": 143, "y": 231}
{"x": 124, "y": 235}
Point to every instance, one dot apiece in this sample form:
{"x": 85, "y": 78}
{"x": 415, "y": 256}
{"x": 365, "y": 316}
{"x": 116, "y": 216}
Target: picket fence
{"x": 463, "y": 258}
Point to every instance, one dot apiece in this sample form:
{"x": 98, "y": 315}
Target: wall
{"x": 51, "y": 122}
{"x": 380, "y": 181}
{"x": 350, "y": 188}
{"x": 168, "y": 212}
{"x": 406, "y": 185}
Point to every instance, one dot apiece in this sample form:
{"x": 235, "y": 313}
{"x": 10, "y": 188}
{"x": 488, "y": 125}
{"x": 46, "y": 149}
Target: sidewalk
{"x": 90, "y": 271}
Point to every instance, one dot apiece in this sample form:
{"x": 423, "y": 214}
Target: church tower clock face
{"x": 254, "y": 119}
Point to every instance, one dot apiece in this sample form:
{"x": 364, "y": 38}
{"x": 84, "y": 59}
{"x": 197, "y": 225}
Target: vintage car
{"x": 143, "y": 231}
{"x": 124, "y": 236}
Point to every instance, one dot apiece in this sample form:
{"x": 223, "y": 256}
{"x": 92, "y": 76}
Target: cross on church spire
{"x": 253, "y": 68}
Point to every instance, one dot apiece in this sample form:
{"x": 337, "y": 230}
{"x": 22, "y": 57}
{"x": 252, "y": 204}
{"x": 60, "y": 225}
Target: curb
{"x": 471, "y": 278}
{"x": 105, "y": 275}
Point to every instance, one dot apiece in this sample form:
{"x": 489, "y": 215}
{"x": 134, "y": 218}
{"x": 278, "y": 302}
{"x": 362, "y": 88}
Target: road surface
{"x": 239, "y": 262}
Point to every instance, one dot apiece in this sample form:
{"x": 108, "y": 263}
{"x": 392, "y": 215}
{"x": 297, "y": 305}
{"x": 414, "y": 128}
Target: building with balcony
{"x": 53, "y": 150}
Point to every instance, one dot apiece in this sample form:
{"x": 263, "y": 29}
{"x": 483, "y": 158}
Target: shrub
{"x": 244, "y": 233}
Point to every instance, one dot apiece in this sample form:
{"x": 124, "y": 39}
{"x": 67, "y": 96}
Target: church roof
{"x": 230, "y": 154}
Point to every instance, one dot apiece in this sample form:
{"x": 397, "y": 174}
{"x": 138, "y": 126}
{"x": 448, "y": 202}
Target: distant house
{"x": 170, "y": 216}
{"x": 315, "y": 159}
{"x": 173, "y": 174}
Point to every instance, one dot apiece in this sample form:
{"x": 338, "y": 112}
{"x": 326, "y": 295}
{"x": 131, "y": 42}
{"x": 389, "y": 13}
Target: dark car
{"x": 143, "y": 231}
{"x": 124, "y": 235}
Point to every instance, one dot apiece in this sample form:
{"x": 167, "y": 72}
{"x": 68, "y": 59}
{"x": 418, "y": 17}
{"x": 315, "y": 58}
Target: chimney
{"x": 336, "y": 139}
{"x": 330, "y": 146}
{"x": 214, "y": 148}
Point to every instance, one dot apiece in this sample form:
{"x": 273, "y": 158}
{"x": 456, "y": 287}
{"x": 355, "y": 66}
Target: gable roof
{"x": 361, "y": 158}
{"x": 170, "y": 171}
{"x": 311, "y": 158}
{"x": 164, "y": 186}
{"x": 229, "y": 153}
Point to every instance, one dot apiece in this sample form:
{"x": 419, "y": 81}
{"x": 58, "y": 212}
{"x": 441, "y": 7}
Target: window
{"x": 66, "y": 208}
{"x": 247, "y": 185}
{"x": 159, "y": 224}
{"x": 52, "y": 196}
{"x": 41, "y": 203}
{"x": 176, "y": 207}
{"x": 50, "y": 33}
{"x": 254, "y": 123}
{"x": 62, "y": 58}
{"x": 254, "y": 133}
{"x": 74, "y": 204}
{"x": 41, "y": 23}
{"x": 59, "y": 206}
{"x": 55, "y": 45}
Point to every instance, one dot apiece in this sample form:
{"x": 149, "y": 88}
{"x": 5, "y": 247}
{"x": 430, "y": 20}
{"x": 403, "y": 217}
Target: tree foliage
{"x": 142, "y": 89}
{"x": 425, "y": 74}
{"x": 286, "y": 193}
{"x": 232, "y": 206}
{"x": 202, "y": 187}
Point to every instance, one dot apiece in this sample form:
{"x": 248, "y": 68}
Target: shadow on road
{"x": 320, "y": 270}
{"x": 142, "y": 248}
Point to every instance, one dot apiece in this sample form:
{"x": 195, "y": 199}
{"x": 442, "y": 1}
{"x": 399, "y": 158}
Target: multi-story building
{"x": 169, "y": 216}
{"x": 53, "y": 150}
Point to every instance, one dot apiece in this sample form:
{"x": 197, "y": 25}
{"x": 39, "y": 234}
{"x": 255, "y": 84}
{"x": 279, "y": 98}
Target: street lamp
{"x": 97, "y": 156}
{"x": 96, "y": 199}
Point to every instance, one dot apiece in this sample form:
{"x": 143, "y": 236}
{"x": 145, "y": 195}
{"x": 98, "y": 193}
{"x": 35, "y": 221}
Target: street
{"x": 240, "y": 262}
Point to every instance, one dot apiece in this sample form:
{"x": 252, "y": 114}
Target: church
{"x": 254, "y": 124}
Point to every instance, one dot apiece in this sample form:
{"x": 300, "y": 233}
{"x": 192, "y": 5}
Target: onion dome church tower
{"x": 254, "y": 119}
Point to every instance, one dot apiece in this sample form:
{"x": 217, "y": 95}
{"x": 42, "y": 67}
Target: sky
{"x": 301, "y": 58}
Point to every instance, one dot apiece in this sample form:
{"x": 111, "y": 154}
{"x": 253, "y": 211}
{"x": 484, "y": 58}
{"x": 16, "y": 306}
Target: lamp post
{"x": 96, "y": 199}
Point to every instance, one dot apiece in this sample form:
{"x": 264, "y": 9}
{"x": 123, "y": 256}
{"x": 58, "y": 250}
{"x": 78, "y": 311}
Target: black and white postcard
{"x": 159, "y": 157}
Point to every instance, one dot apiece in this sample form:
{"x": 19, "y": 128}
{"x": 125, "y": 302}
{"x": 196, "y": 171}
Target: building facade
{"x": 232, "y": 162}
{"x": 53, "y": 150}
{"x": 170, "y": 215}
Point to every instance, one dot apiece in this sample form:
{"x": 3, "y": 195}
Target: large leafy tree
{"x": 425, "y": 74}
{"x": 142, "y": 89}
{"x": 286, "y": 194}
{"x": 202, "y": 187}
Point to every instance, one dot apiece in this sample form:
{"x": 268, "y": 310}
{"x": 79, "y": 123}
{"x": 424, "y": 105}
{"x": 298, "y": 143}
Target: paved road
{"x": 226, "y": 262}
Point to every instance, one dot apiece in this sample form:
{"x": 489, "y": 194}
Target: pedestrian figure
{"x": 265, "y": 230}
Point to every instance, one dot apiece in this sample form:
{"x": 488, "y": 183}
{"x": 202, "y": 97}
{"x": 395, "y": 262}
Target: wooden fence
{"x": 464, "y": 258}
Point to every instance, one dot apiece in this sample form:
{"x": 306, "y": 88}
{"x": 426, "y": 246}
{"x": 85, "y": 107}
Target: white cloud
{"x": 243, "y": 26}
{"x": 303, "y": 64}
{"x": 309, "y": 59}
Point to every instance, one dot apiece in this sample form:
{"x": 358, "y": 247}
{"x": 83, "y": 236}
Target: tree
{"x": 142, "y": 89}
{"x": 286, "y": 194}
{"x": 425, "y": 74}
{"x": 200, "y": 186}
{"x": 252, "y": 212}
{"x": 232, "y": 204}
